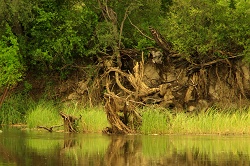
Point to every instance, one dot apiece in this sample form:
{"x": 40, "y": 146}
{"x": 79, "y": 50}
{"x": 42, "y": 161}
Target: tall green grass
{"x": 213, "y": 121}
{"x": 92, "y": 119}
{"x": 43, "y": 114}
{"x": 47, "y": 114}
{"x": 155, "y": 121}
{"x": 21, "y": 109}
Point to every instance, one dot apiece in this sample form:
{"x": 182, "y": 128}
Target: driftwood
{"x": 166, "y": 79}
{"x": 121, "y": 108}
{"x": 70, "y": 122}
{"x": 49, "y": 129}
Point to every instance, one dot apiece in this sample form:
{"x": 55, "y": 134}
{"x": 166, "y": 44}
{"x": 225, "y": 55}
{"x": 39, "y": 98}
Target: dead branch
{"x": 117, "y": 125}
{"x": 69, "y": 122}
{"x": 121, "y": 27}
{"x": 120, "y": 85}
{"x": 49, "y": 129}
{"x": 160, "y": 40}
{"x": 199, "y": 66}
{"x": 140, "y": 30}
{"x": 124, "y": 99}
{"x": 135, "y": 80}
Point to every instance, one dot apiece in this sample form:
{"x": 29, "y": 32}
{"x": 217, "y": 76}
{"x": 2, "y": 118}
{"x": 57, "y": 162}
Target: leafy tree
{"x": 11, "y": 66}
{"x": 132, "y": 21}
{"x": 58, "y": 32}
{"x": 209, "y": 27}
{"x": 51, "y": 34}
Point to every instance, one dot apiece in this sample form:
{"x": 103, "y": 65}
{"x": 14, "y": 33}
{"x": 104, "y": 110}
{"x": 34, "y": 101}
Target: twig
{"x": 160, "y": 40}
{"x": 115, "y": 96}
{"x": 212, "y": 62}
{"x": 121, "y": 27}
{"x": 140, "y": 30}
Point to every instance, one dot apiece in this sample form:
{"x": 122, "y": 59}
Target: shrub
{"x": 209, "y": 27}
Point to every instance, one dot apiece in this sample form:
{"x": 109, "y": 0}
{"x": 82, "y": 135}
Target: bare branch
{"x": 140, "y": 30}
{"x": 120, "y": 85}
{"x": 121, "y": 28}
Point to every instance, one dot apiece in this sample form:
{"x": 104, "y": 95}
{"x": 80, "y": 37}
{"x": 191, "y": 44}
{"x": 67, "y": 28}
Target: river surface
{"x": 40, "y": 148}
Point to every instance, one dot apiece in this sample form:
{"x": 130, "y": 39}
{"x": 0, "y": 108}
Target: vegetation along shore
{"x": 126, "y": 67}
{"x": 45, "y": 114}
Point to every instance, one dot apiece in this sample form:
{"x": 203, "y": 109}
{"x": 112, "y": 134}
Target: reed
{"x": 43, "y": 114}
{"x": 213, "y": 121}
{"x": 154, "y": 122}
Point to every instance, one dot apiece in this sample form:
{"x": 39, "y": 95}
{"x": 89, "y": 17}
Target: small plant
{"x": 213, "y": 121}
{"x": 43, "y": 114}
{"x": 155, "y": 122}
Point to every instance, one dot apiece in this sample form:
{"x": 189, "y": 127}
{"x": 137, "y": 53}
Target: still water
{"x": 34, "y": 148}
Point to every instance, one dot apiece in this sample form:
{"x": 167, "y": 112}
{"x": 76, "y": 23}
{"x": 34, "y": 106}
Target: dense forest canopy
{"x": 49, "y": 35}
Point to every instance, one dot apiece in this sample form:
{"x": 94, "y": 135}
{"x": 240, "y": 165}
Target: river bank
{"x": 154, "y": 120}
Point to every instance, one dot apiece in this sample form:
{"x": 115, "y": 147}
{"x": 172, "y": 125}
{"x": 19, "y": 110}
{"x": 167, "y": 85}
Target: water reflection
{"x": 19, "y": 147}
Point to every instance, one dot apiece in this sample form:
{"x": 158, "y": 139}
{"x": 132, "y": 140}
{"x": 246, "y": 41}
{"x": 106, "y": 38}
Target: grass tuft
{"x": 44, "y": 114}
{"x": 213, "y": 121}
{"x": 92, "y": 119}
{"x": 155, "y": 121}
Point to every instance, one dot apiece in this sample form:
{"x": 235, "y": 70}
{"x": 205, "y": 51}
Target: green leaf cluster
{"x": 42, "y": 35}
{"x": 134, "y": 17}
{"x": 58, "y": 31}
{"x": 11, "y": 66}
{"x": 47, "y": 35}
{"x": 209, "y": 27}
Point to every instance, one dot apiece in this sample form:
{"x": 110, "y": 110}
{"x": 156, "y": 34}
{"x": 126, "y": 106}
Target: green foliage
{"x": 213, "y": 121}
{"x": 142, "y": 15}
{"x": 43, "y": 114}
{"x": 155, "y": 122}
{"x": 92, "y": 119}
{"x": 144, "y": 44}
{"x": 105, "y": 36}
{"x": 51, "y": 34}
{"x": 132, "y": 17}
{"x": 59, "y": 33}
{"x": 15, "y": 108}
{"x": 27, "y": 86}
{"x": 11, "y": 67}
{"x": 208, "y": 27}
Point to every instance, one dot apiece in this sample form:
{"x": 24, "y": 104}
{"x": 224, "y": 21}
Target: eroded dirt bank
{"x": 158, "y": 76}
